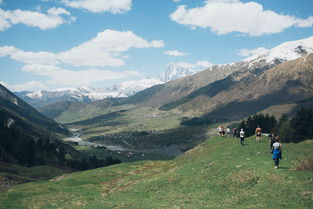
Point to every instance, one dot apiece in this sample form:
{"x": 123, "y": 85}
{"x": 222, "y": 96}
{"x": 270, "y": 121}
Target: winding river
{"x": 76, "y": 138}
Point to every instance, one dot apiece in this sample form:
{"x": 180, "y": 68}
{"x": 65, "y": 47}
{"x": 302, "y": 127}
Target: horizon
{"x": 49, "y": 44}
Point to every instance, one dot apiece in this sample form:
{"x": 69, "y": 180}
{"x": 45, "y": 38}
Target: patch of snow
{"x": 286, "y": 51}
{"x": 176, "y": 70}
{"x": 14, "y": 101}
{"x": 10, "y": 122}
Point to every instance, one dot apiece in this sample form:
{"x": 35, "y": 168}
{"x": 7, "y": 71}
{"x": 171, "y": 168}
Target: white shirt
{"x": 242, "y": 134}
{"x": 276, "y": 145}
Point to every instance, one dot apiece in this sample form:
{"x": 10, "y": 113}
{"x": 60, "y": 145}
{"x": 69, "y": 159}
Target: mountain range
{"x": 180, "y": 80}
{"x": 278, "y": 76}
{"x": 43, "y": 98}
{"x": 263, "y": 76}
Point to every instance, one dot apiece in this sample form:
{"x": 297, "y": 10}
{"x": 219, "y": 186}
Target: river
{"x": 76, "y": 138}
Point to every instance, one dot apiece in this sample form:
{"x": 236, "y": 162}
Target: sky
{"x": 49, "y": 44}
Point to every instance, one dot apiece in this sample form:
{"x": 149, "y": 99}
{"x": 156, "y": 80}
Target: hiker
{"x": 272, "y": 140}
{"x": 276, "y": 150}
{"x": 242, "y": 136}
{"x": 228, "y": 132}
{"x": 234, "y": 132}
{"x": 220, "y": 130}
{"x": 258, "y": 132}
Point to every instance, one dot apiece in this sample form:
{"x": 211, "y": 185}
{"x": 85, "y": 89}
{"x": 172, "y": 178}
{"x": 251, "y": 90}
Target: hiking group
{"x": 275, "y": 145}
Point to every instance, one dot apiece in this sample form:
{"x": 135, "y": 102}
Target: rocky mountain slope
{"x": 16, "y": 109}
{"x": 247, "y": 92}
{"x": 249, "y": 85}
{"x": 27, "y": 137}
{"x": 177, "y": 89}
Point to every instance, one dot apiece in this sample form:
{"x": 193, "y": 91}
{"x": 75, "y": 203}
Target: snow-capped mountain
{"x": 86, "y": 94}
{"x": 178, "y": 70}
{"x": 284, "y": 52}
{"x": 129, "y": 88}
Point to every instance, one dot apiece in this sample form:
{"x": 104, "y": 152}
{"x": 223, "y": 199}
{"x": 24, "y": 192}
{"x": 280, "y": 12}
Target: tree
{"x": 302, "y": 125}
{"x": 285, "y": 132}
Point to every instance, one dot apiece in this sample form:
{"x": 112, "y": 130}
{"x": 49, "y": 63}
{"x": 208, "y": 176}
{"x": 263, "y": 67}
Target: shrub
{"x": 305, "y": 164}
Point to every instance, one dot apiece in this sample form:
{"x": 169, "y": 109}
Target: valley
{"x": 164, "y": 140}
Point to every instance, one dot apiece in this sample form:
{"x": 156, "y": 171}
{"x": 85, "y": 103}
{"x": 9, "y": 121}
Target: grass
{"x": 121, "y": 155}
{"x": 218, "y": 173}
{"x": 138, "y": 119}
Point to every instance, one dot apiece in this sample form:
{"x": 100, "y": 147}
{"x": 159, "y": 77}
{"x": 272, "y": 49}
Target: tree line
{"x": 18, "y": 147}
{"x": 289, "y": 129}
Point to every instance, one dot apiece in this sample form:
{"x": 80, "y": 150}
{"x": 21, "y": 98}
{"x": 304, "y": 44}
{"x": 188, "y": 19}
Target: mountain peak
{"x": 284, "y": 52}
{"x": 177, "y": 70}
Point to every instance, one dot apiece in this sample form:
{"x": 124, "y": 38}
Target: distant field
{"x": 219, "y": 173}
{"x": 139, "y": 119}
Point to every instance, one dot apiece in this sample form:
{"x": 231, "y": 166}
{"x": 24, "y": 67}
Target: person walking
{"x": 276, "y": 150}
{"x": 220, "y": 129}
{"x": 242, "y": 136}
{"x": 228, "y": 132}
{"x": 272, "y": 140}
{"x": 258, "y": 132}
{"x": 234, "y": 132}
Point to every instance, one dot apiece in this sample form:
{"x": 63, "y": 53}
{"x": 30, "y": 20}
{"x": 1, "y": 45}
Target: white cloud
{"x": 200, "y": 65}
{"x": 29, "y": 57}
{"x": 252, "y": 52}
{"x": 175, "y": 53}
{"x": 97, "y": 6}
{"x": 204, "y": 64}
{"x": 52, "y": 19}
{"x": 226, "y": 16}
{"x": 27, "y": 86}
{"x": 106, "y": 49}
{"x": 60, "y": 76}
{"x": 176, "y": 0}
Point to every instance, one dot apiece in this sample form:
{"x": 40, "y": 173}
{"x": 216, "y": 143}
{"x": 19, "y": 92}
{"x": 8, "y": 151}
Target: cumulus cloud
{"x": 226, "y": 16}
{"x": 200, "y": 65}
{"x": 252, "y": 52}
{"x": 106, "y": 49}
{"x": 175, "y": 53}
{"x": 29, "y": 57}
{"x": 27, "y": 86}
{"x": 60, "y": 76}
{"x": 53, "y": 18}
{"x": 97, "y": 6}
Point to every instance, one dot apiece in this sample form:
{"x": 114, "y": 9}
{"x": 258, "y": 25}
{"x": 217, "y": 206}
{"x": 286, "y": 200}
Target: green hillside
{"x": 218, "y": 173}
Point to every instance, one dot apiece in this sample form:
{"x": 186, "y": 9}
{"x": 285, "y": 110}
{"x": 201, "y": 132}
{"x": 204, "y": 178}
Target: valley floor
{"x": 219, "y": 173}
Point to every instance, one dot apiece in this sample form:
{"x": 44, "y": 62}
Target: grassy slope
{"x": 218, "y": 173}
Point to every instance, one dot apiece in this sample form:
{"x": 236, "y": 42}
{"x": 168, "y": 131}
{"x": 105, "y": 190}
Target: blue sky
{"x": 47, "y": 44}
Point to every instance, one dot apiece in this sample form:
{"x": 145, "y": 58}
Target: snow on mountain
{"x": 123, "y": 89}
{"x": 284, "y": 52}
{"x": 182, "y": 69}
{"x": 129, "y": 88}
